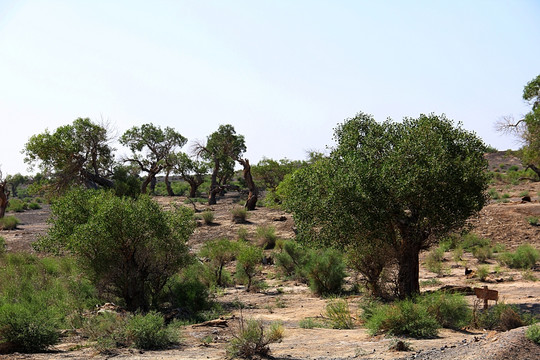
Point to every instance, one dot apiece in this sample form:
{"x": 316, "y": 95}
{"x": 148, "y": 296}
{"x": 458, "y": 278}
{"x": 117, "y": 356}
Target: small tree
{"x": 248, "y": 262}
{"x": 130, "y": 247}
{"x": 158, "y": 144}
{"x": 191, "y": 170}
{"x": 223, "y": 147}
{"x": 405, "y": 184}
{"x": 14, "y": 181}
{"x": 219, "y": 252}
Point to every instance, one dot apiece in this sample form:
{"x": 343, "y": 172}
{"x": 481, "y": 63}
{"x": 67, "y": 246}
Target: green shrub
{"x": 208, "y": 217}
{"x": 513, "y": 168}
{"x": 482, "y": 253}
{"x": 187, "y": 291}
{"x": 252, "y": 339}
{"x": 248, "y": 264}
{"x": 17, "y": 205}
{"x": 310, "y": 323}
{"x": 129, "y": 247}
{"x": 450, "y": 310}
{"x": 524, "y": 193}
{"x": 533, "y": 333}
{"x": 525, "y": 257}
{"x": 34, "y": 206}
{"x": 471, "y": 241}
{"x": 401, "y": 318}
{"x": 242, "y": 234}
{"x": 339, "y": 315}
{"x": 266, "y": 236}
{"x": 2, "y": 245}
{"x": 434, "y": 260}
{"x": 498, "y": 248}
{"x": 149, "y": 332}
{"x": 239, "y": 215}
{"x": 220, "y": 252}
{"x": 457, "y": 254}
{"x": 494, "y": 194}
{"x": 107, "y": 330}
{"x": 326, "y": 272}
{"x": 8, "y": 223}
{"x": 501, "y": 317}
{"x": 294, "y": 260}
{"x": 29, "y": 327}
{"x": 506, "y": 196}
{"x": 533, "y": 220}
{"x": 482, "y": 272}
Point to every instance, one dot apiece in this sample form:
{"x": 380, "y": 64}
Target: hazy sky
{"x": 283, "y": 72}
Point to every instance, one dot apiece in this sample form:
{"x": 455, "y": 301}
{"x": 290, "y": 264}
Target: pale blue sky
{"x": 284, "y": 73}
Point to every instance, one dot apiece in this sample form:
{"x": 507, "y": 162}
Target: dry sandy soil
{"x": 502, "y": 222}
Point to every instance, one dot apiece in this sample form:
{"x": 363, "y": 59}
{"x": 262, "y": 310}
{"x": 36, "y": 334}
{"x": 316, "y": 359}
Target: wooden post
{"x": 486, "y": 294}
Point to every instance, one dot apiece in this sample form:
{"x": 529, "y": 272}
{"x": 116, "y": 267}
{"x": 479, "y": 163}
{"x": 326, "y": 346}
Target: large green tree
{"x": 150, "y": 147}
{"x": 402, "y": 184}
{"x": 223, "y": 148}
{"x": 79, "y": 153}
{"x": 528, "y": 128}
{"x": 129, "y": 247}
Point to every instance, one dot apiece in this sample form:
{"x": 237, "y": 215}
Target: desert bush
{"x": 34, "y": 206}
{"x": 188, "y": 291}
{"x": 208, "y": 217}
{"x": 434, "y": 260}
{"x": 339, "y": 315}
{"x": 252, "y": 338}
{"x": 501, "y": 317}
{"x": 266, "y": 236}
{"x": 242, "y": 234}
{"x": 29, "y": 326}
{"x": 457, "y": 254}
{"x": 17, "y": 205}
{"x": 107, "y": 330}
{"x": 471, "y": 241}
{"x": 220, "y": 252}
{"x": 533, "y": 333}
{"x": 326, "y": 272}
{"x": 525, "y": 257}
{"x": 248, "y": 264}
{"x": 403, "y": 317}
{"x": 129, "y": 247}
{"x": 150, "y": 332}
{"x": 482, "y": 272}
{"x": 239, "y": 215}
{"x": 311, "y": 323}
{"x": 482, "y": 253}
{"x": 494, "y": 194}
{"x": 294, "y": 260}
{"x": 9, "y": 222}
{"x": 450, "y": 310}
{"x": 533, "y": 220}
{"x": 2, "y": 245}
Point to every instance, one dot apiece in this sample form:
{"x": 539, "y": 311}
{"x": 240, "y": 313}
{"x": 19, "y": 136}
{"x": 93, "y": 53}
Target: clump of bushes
{"x": 434, "y": 260}
{"x": 239, "y": 215}
{"x": 9, "y": 222}
{"x": 293, "y": 260}
{"x": 420, "y": 317}
{"x": 219, "y": 253}
{"x": 339, "y": 315}
{"x": 17, "y": 205}
{"x": 533, "y": 333}
{"x": 208, "y": 217}
{"x": 252, "y": 338}
{"x": 471, "y": 241}
{"x": 266, "y": 236}
{"x": 326, "y": 272}
{"x": 525, "y": 257}
{"x": 502, "y": 317}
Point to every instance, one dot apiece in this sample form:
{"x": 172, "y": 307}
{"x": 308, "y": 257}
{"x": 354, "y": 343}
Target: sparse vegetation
{"x": 9, "y": 222}
{"x": 339, "y": 315}
{"x": 208, "y": 217}
{"x": 524, "y": 257}
{"x": 533, "y": 333}
{"x": 252, "y": 338}
{"x": 266, "y": 236}
{"x": 239, "y": 215}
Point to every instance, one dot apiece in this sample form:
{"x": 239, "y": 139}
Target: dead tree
{"x": 253, "y": 192}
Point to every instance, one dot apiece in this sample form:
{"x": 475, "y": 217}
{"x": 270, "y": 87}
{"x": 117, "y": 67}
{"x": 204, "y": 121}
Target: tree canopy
{"x": 73, "y": 154}
{"x": 151, "y": 146}
{"x": 403, "y": 184}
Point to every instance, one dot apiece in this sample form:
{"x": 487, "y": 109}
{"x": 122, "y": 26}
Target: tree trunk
{"x": 214, "y": 188}
{"x": 106, "y": 183}
{"x": 193, "y": 189}
{"x": 408, "y": 273}
{"x": 153, "y": 183}
{"x": 253, "y": 192}
{"x": 168, "y": 183}
{"x": 4, "y": 195}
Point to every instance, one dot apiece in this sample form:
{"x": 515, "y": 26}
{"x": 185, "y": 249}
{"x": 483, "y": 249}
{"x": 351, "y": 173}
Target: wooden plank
{"x": 486, "y": 294}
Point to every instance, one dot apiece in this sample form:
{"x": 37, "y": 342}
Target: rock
{"x": 280, "y": 218}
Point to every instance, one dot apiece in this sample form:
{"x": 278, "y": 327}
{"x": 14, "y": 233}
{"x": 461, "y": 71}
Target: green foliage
{"x": 239, "y": 215}
{"x": 494, "y": 194}
{"x": 396, "y": 182}
{"x": 149, "y": 332}
{"x": 17, "y": 205}
{"x": 404, "y": 317}
{"x": 107, "y": 330}
{"x": 326, "y": 272}
{"x": 533, "y": 333}
{"x": 310, "y": 323}
{"x": 266, "y": 236}
{"x": 2, "y": 245}
{"x": 501, "y": 317}
{"x": 38, "y": 297}
{"x": 9, "y": 222}
{"x": 471, "y": 241}
{"x": 76, "y": 154}
{"x": 252, "y": 339}
{"x": 34, "y": 206}
{"x": 524, "y": 257}
{"x": 294, "y": 260}
{"x": 220, "y": 252}
{"x": 482, "y": 253}
{"x": 248, "y": 264}
{"x": 208, "y": 217}
{"x": 482, "y": 272}
{"x": 434, "y": 260}
{"x": 28, "y": 327}
{"x": 242, "y": 234}
{"x": 191, "y": 170}
{"x": 129, "y": 247}
{"x": 451, "y": 310}
{"x": 269, "y": 173}
{"x": 339, "y": 315}
{"x": 126, "y": 181}
{"x": 533, "y": 220}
